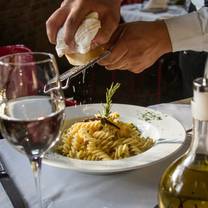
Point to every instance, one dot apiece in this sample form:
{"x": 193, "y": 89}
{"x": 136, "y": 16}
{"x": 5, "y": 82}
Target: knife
{"x": 10, "y": 187}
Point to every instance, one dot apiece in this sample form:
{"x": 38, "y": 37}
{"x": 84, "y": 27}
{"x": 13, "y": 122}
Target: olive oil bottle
{"x": 185, "y": 182}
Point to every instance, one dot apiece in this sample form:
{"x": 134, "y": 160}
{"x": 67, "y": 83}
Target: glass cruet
{"x": 184, "y": 183}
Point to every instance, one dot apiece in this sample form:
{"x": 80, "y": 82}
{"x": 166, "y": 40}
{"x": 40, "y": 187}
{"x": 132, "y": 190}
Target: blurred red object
{"x": 17, "y": 79}
{"x": 10, "y": 49}
{"x": 70, "y": 102}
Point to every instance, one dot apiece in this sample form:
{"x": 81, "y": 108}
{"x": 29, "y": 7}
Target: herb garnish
{"x": 107, "y": 107}
{"x": 109, "y": 94}
{"x": 149, "y": 116}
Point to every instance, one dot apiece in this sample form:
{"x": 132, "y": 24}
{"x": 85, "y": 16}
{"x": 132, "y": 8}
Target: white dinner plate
{"x": 152, "y": 123}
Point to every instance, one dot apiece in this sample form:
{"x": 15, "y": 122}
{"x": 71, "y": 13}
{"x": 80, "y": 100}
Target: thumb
{"x": 104, "y": 34}
{"x": 116, "y": 36}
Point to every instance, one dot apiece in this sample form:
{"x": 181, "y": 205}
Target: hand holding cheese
{"x": 72, "y": 13}
{"x": 139, "y": 46}
{"x": 83, "y": 39}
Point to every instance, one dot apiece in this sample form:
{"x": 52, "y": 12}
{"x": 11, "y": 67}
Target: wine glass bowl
{"x": 30, "y": 117}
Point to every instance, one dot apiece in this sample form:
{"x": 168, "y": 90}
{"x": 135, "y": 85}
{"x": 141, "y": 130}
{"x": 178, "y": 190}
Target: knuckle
{"x": 103, "y": 62}
{"x": 136, "y": 70}
{"x": 111, "y": 67}
{"x": 66, "y": 3}
{"x": 103, "y": 39}
{"x": 50, "y": 24}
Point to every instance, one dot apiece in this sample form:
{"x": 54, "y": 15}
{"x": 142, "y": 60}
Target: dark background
{"x": 23, "y": 22}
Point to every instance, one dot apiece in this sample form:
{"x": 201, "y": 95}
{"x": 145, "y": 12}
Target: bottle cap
{"x": 200, "y": 99}
{"x": 200, "y": 84}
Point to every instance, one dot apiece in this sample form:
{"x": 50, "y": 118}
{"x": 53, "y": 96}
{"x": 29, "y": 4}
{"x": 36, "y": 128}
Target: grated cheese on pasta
{"x": 93, "y": 140}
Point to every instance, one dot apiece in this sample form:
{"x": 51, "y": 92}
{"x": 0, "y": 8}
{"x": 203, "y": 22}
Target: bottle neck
{"x": 200, "y": 137}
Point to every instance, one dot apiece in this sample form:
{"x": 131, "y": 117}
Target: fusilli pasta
{"x": 95, "y": 140}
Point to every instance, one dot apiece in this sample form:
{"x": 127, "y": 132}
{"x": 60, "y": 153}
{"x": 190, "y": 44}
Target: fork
{"x": 168, "y": 141}
{"x": 172, "y": 141}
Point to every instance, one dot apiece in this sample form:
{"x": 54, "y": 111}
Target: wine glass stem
{"x": 36, "y": 168}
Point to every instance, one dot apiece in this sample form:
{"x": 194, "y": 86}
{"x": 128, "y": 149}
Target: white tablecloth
{"x": 133, "y": 12}
{"x": 69, "y": 189}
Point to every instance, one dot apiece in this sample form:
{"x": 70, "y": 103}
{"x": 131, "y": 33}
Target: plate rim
{"x": 104, "y": 168}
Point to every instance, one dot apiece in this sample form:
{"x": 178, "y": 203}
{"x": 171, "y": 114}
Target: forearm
{"x": 189, "y": 32}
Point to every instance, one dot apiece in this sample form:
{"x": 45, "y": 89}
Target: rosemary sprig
{"x": 109, "y": 94}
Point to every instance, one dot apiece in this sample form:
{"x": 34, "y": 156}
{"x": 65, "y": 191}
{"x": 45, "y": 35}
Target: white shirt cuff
{"x": 190, "y": 31}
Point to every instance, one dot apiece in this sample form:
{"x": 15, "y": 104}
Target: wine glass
{"x": 31, "y": 110}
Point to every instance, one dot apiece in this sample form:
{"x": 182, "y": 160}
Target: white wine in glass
{"x": 30, "y": 115}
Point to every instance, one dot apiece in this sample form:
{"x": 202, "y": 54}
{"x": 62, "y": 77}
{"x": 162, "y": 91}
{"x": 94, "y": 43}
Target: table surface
{"x": 66, "y": 188}
{"x": 133, "y": 12}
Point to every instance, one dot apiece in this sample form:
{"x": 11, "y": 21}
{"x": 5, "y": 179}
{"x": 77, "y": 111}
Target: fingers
{"x": 104, "y": 34}
{"x": 53, "y": 24}
{"x": 135, "y": 68}
{"x": 117, "y": 67}
{"x": 117, "y": 36}
{"x": 72, "y": 23}
{"x": 116, "y": 60}
{"x": 109, "y": 16}
{"x": 118, "y": 51}
{"x": 123, "y": 59}
{"x": 72, "y": 13}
